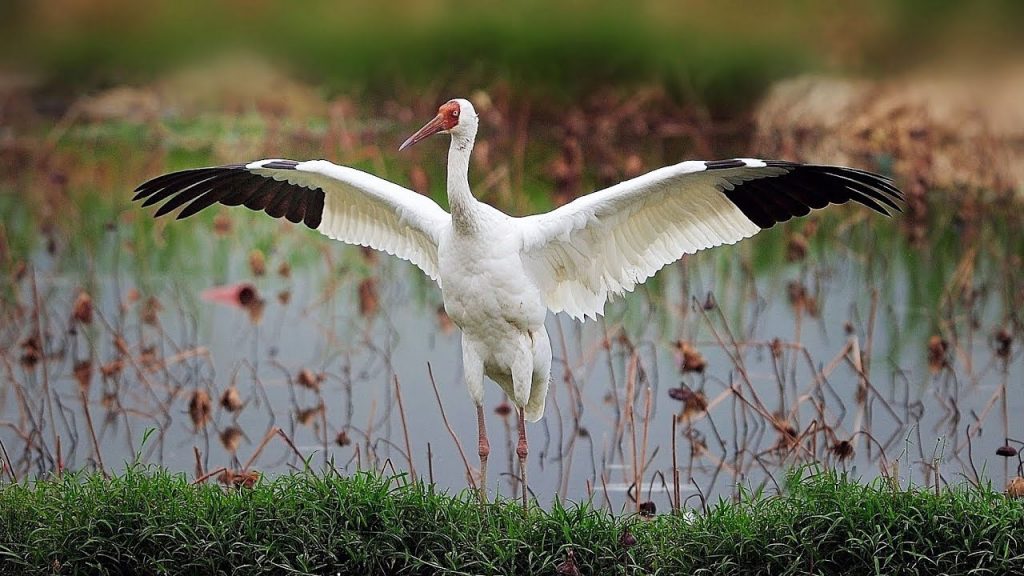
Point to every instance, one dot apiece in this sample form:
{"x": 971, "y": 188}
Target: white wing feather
{"x": 608, "y": 242}
{"x": 365, "y": 210}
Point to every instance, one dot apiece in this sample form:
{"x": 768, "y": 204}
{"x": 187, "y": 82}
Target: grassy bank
{"x": 150, "y": 522}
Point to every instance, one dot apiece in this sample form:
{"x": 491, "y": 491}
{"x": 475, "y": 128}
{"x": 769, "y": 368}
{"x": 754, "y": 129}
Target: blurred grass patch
{"x": 546, "y": 50}
{"x": 721, "y": 53}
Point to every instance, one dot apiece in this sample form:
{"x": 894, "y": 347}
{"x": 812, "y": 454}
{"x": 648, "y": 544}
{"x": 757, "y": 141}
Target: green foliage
{"x": 152, "y": 522}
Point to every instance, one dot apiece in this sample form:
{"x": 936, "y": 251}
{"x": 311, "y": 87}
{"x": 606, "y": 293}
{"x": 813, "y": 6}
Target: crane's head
{"x": 456, "y": 117}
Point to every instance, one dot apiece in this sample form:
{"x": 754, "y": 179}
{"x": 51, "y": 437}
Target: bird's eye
{"x": 455, "y": 113}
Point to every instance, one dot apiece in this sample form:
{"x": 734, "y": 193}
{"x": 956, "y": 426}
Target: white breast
{"x": 486, "y": 290}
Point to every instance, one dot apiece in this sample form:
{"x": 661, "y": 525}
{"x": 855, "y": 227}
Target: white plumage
{"x": 607, "y": 242}
{"x": 499, "y": 275}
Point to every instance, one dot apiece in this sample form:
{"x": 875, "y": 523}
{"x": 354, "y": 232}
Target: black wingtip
{"x": 875, "y": 186}
{"x": 163, "y": 209}
{"x": 233, "y": 185}
{"x": 151, "y": 200}
{"x": 779, "y": 196}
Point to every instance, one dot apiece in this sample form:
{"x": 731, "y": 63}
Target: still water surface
{"x": 835, "y": 359}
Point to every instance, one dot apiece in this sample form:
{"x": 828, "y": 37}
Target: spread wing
{"x": 608, "y": 242}
{"x": 340, "y": 202}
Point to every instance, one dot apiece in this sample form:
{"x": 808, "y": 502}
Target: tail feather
{"x": 538, "y": 395}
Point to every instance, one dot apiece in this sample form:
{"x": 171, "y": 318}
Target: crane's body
{"x": 500, "y": 275}
{"x": 488, "y": 293}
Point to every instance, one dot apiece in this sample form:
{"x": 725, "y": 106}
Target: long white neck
{"x": 460, "y": 199}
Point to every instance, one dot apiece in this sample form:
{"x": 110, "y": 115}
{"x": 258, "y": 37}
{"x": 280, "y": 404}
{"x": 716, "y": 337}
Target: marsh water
{"x": 833, "y": 341}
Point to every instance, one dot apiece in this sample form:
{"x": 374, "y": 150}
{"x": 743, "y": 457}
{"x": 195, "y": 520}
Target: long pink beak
{"x": 429, "y": 129}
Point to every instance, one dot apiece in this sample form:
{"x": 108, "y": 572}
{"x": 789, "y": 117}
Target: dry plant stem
{"x": 92, "y": 431}
{"x": 199, "y": 461}
{"x": 198, "y": 351}
{"x": 430, "y": 463}
{"x": 983, "y": 414}
{"x": 388, "y": 464}
{"x": 560, "y": 441}
{"x": 615, "y": 393}
{"x": 630, "y": 419}
{"x": 7, "y": 462}
{"x": 60, "y": 458}
{"x": 604, "y": 488}
{"x": 292, "y": 445}
{"x": 462, "y": 453}
{"x": 1006, "y": 417}
{"x": 797, "y": 335}
{"x": 371, "y": 454}
{"x": 149, "y": 387}
{"x": 259, "y": 449}
{"x": 323, "y": 427}
{"x": 976, "y": 480}
{"x": 870, "y": 336}
{"x": 405, "y": 429}
{"x": 871, "y": 388}
{"x": 575, "y": 402}
{"x": 675, "y": 467}
{"x": 853, "y": 349}
{"x": 647, "y": 425}
{"x": 37, "y": 314}
{"x": 884, "y": 462}
{"x": 735, "y": 355}
{"x": 29, "y": 438}
{"x": 209, "y": 475}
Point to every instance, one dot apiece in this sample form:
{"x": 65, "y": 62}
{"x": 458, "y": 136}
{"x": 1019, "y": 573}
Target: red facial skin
{"x": 446, "y": 119}
{"x": 449, "y": 113}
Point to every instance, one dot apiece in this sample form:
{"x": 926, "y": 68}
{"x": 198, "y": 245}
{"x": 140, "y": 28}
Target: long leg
{"x": 522, "y": 450}
{"x": 473, "y": 369}
{"x": 522, "y": 381}
{"x": 484, "y": 450}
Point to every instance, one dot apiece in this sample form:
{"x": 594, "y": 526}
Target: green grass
{"x": 152, "y": 522}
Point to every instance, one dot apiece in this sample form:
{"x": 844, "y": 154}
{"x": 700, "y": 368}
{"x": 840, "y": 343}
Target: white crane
{"x": 500, "y": 275}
